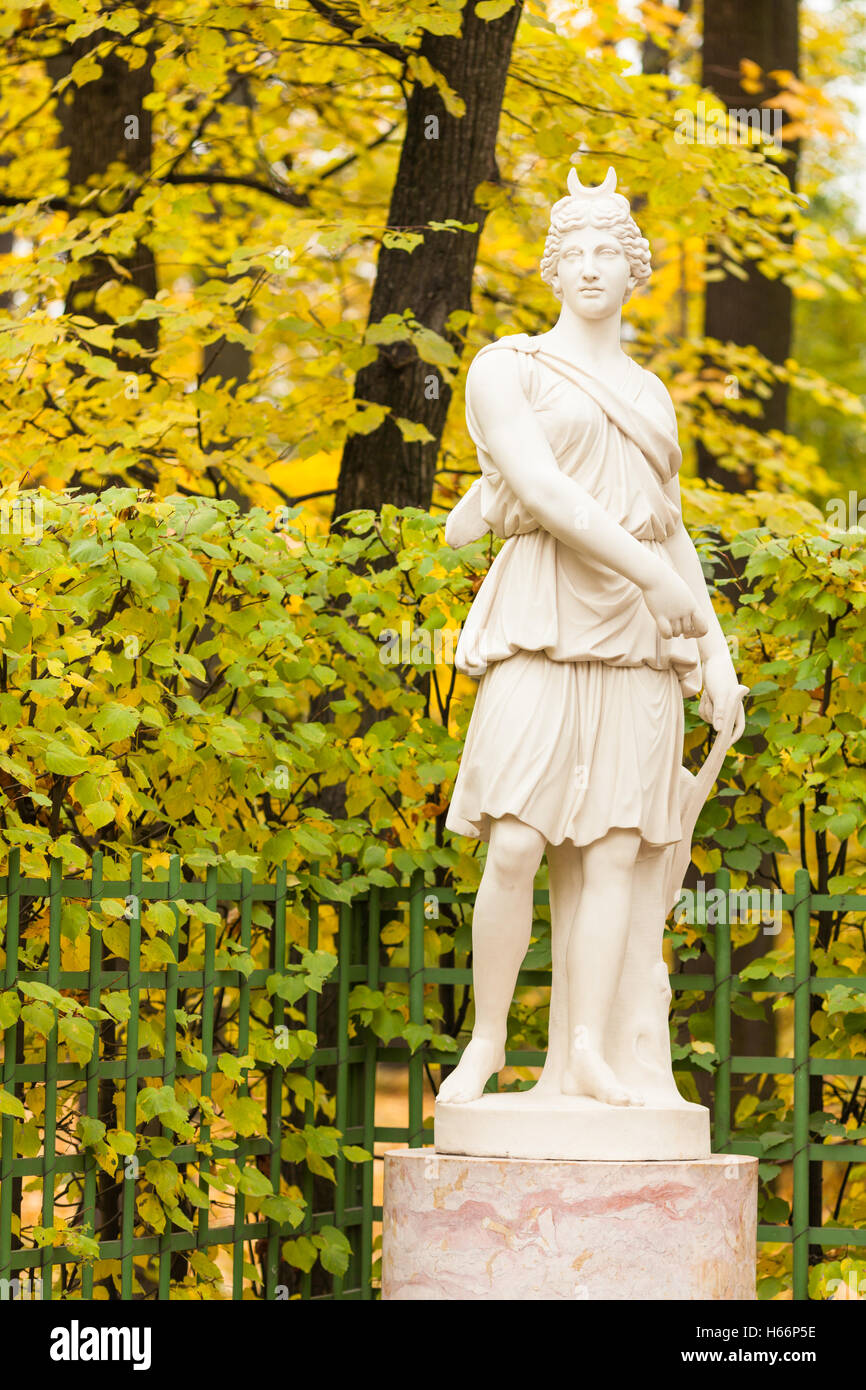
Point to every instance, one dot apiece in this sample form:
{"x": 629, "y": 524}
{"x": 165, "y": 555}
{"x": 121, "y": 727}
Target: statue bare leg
{"x": 596, "y": 950}
{"x": 501, "y": 928}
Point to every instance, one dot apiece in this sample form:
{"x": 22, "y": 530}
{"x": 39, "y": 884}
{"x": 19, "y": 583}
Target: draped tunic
{"x": 541, "y": 595}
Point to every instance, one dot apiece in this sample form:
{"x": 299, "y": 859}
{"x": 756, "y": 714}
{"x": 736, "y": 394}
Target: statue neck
{"x": 587, "y": 342}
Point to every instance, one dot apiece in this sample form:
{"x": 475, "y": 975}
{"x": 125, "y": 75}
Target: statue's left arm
{"x": 722, "y": 689}
{"x": 721, "y": 686}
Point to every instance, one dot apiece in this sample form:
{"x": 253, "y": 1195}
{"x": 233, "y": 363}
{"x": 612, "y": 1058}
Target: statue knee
{"x": 515, "y": 851}
{"x": 614, "y": 855}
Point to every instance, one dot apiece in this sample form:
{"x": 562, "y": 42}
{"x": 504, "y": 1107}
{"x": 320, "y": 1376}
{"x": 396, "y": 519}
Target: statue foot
{"x": 588, "y": 1074}
{"x": 478, "y": 1063}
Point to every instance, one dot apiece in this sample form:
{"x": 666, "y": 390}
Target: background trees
{"x": 235, "y": 272}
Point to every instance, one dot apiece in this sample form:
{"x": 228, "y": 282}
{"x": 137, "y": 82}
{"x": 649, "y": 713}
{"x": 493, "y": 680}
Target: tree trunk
{"x": 443, "y": 160}
{"x": 755, "y": 311}
{"x": 103, "y": 123}
{"x": 655, "y": 60}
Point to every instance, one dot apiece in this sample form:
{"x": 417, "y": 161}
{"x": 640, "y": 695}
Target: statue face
{"x": 592, "y": 272}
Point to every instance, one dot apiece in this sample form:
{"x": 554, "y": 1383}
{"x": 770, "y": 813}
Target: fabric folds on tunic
{"x": 541, "y": 595}
{"x": 578, "y": 723}
{"x": 574, "y": 749}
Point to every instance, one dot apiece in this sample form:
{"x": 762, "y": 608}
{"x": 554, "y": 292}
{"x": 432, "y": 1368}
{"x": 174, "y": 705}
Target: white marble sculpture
{"x": 591, "y": 625}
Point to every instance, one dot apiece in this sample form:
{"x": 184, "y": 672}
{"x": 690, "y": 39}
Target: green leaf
{"x": 193, "y": 1056}
{"x": 160, "y": 1102}
{"x": 151, "y": 1211}
{"x": 300, "y": 1252}
{"x": 244, "y": 1115}
{"x": 90, "y": 1130}
{"x": 100, "y": 813}
{"x": 62, "y": 760}
{"x": 157, "y": 952}
{"x": 293, "y": 1148}
{"x": 117, "y": 1002}
{"x": 10, "y": 1008}
{"x": 356, "y": 1154}
{"x": 287, "y": 987}
{"x": 493, "y": 9}
{"x": 162, "y": 915}
{"x": 79, "y": 1036}
{"x": 204, "y": 1267}
{"x": 416, "y": 1034}
{"x": 195, "y": 1194}
{"x": 334, "y": 1249}
{"x": 34, "y": 990}
{"x": 165, "y": 1178}
{"x": 320, "y": 1166}
{"x": 28, "y": 1142}
{"x": 11, "y": 1105}
{"x": 39, "y": 1017}
{"x": 121, "y": 1140}
{"x": 283, "y": 1210}
{"x": 231, "y": 1066}
{"x": 179, "y": 1218}
{"x": 254, "y": 1184}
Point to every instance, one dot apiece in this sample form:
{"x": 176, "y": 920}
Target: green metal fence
{"x": 230, "y": 989}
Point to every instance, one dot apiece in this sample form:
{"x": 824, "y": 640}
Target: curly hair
{"x": 609, "y": 211}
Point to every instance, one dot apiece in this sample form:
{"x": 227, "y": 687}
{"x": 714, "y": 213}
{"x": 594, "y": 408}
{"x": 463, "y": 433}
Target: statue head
{"x": 609, "y": 214}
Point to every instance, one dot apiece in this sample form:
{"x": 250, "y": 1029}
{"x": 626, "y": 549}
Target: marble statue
{"x": 592, "y": 624}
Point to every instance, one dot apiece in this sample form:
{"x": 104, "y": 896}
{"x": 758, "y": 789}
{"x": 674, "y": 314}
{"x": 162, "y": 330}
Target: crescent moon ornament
{"x": 580, "y": 190}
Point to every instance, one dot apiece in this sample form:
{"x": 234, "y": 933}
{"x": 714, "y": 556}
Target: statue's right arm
{"x": 519, "y": 448}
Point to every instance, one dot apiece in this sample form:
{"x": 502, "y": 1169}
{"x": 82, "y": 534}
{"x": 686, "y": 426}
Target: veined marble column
{"x": 459, "y": 1228}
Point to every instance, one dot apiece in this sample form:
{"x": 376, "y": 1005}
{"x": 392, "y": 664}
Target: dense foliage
{"x": 252, "y": 182}
{"x": 180, "y": 677}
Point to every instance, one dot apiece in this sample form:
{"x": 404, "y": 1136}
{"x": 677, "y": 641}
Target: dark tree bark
{"x": 227, "y": 360}
{"x": 754, "y": 311}
{"x": 655, "y": 60}
{"x": 103, "y": 123}
{"x": 443, "y": 159}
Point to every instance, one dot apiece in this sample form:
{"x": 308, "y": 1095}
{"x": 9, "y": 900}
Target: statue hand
{"x": 465, "y": 522}
{"x": 722, "y": 692}
{"x": 673, "y": 605}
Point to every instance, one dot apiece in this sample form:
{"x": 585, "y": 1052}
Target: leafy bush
{"x": 180, "y": 678}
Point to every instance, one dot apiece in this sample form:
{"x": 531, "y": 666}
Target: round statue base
{"x": 523, "y": 1124}
{"x": 457, "y": 1228}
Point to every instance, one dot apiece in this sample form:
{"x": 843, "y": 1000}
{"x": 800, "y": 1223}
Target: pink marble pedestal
{"x": 513, "y": 1228}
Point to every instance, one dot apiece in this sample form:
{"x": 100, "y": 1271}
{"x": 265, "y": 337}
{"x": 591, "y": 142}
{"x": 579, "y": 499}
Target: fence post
{"x": 416, "y": 1006}
{"x": 49, "y": 1148}
{"x": 207, "y": 1031}
{"x": 312, "y": 1021}
{"x": 92, "y": 1090}
{"x": 722, "y": 1016}
{"x": 344, "y": 968}
{"x": 170, "y": 1053}
{"x": 243, "y": 1042}
{"x": 800, "y": 1203}
{"x": 275, "y": 1082}
{"x": 374, "y": 919}
{"x": 7, "y": 1182}
{"x": 130, "y": 1093}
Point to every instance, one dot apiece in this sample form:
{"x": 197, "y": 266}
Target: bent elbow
{"x": 543, "y": 499}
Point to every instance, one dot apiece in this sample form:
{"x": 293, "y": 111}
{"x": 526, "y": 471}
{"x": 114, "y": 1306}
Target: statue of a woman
{"x": 591, "y": 625}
